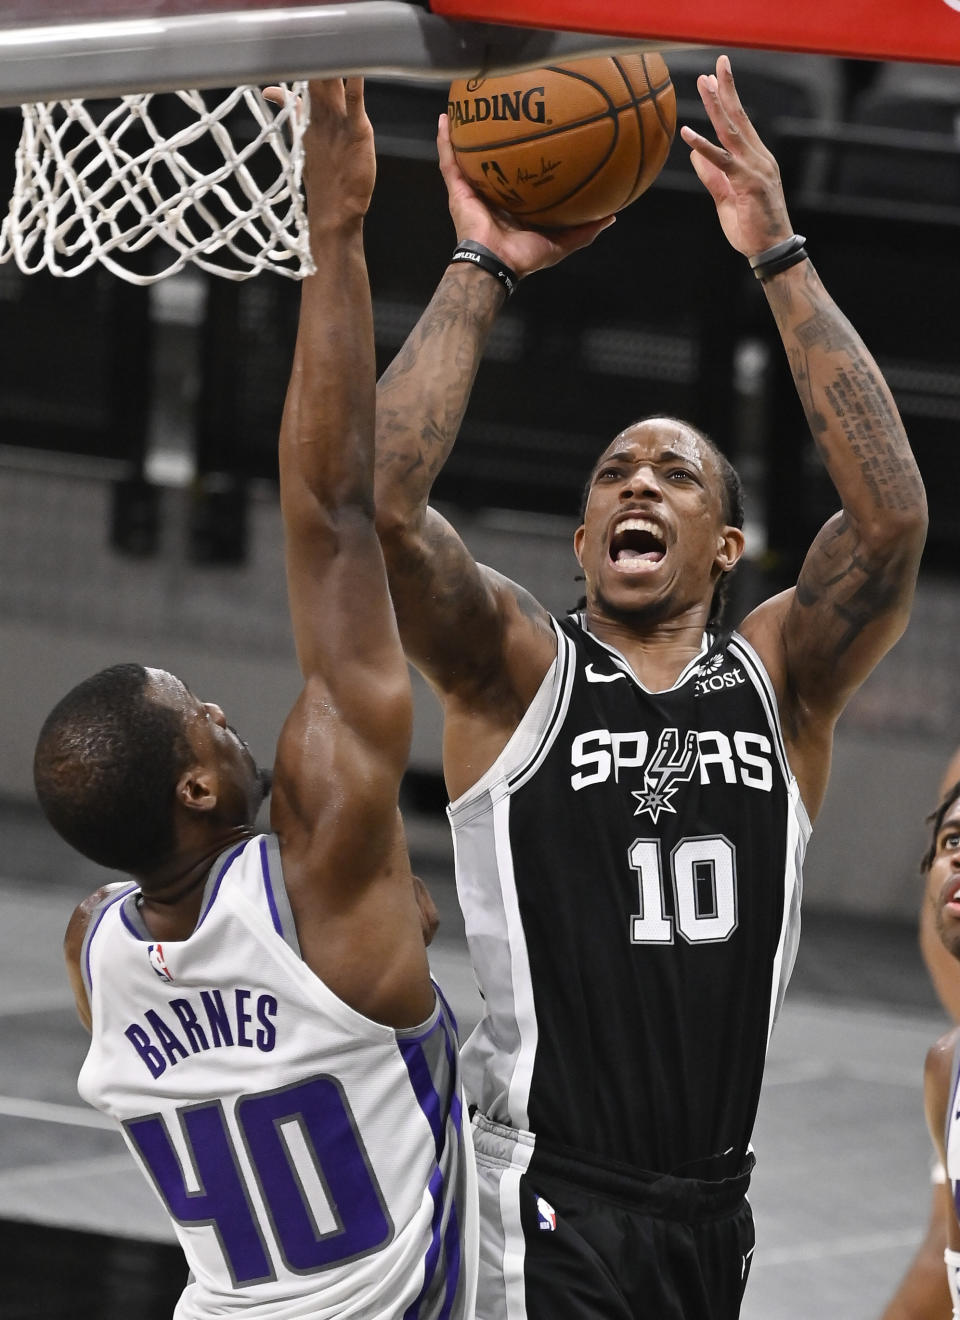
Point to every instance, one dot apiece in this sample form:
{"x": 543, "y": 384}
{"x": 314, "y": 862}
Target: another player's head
{"x": 129, "y": 754}
{"x": 662, "y": 520}
{"x": 941, "y": 865}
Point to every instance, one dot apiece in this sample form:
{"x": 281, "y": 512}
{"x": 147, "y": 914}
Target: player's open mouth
{"x": 951, "y": 898}
{"x": 637, "y": 545}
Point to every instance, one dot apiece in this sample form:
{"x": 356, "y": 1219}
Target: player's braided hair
{"x": 733, "y": 511}
{"x": 106, "y": 766}
{"x": 935, "y": 820}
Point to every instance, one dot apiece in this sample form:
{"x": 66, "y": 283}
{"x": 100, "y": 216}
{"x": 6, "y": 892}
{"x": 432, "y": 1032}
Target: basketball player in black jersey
{"x": 632, "y": 790}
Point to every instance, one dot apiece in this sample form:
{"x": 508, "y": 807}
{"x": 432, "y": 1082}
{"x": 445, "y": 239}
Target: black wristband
{"x": 478, "y": 255}
{"x": 780, "y": 257}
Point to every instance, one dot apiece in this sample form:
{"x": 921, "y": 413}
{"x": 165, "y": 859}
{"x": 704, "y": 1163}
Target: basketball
{"x": 568, "y": 143}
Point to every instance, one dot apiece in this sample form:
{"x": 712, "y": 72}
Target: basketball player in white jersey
{"x": 923, "y": 1293}
{"x": 942, "y": 867}
{"x": 264, "y": 1025}
{"x": 632, "y": 788}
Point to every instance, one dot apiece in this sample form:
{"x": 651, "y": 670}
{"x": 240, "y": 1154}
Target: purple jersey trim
{"x": 451, "y": 1046}
{"x": 437, "y": 1108}
{"x": 130, "y": 925}
{"x": 432, "y": 1257}
{"x": 451, "y": 1245}
{"x": 951, "y": 1110}
{"x": 450, "y": 1242}
{"x": 427, "y": 1095}
{"x": 439, "y": 1112}
{"x": 268, "y": 888}
{"x": 88, "y": 938}
{"x": 215, "y": 888}
{"x": 446, "y": 1004}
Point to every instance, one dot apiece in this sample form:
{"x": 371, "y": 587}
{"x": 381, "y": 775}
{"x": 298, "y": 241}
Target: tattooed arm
{"x": 476, "y": 637}
{"x": 852, "y": 600}
{"x": 448, "y": 607}
{"x": 853, "y": 596}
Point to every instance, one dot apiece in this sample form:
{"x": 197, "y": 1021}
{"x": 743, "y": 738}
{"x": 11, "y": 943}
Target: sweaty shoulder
{"x": 937, "y": 1075}
{"x": 82, "y": 913}
{"x": 939, "y": 1064}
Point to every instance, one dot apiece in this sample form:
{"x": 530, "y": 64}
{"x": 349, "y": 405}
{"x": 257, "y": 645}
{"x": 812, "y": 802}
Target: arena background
{"x": 139, "y": 521}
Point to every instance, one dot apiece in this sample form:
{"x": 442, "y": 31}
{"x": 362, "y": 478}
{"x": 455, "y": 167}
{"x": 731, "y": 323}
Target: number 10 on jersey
{"x": 703, "y": 879}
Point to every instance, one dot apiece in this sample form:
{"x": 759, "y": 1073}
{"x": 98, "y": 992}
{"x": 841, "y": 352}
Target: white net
{"x": 148, "y": 183}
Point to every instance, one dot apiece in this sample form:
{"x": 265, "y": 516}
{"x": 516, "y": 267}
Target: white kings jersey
{"x": 313, "y": 1162}
{"x": 951, "y": 1136}
{"x": 952, "y": 1130}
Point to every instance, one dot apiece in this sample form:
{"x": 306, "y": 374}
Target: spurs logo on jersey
{"x": 669, "y": 768}
{"x": 600, "y": 755}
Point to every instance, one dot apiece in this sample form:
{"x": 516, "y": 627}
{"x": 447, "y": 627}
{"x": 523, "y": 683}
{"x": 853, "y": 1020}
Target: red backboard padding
{"x": 926, "y": 30}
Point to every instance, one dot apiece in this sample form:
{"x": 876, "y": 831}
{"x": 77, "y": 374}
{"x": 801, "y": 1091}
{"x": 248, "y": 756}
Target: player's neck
{"x": 171, "y": 895}
{"x": 656, "y": 652}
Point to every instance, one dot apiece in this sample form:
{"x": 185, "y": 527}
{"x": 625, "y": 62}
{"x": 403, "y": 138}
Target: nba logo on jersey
{"x": 546, "y": 1216}
{"x": 155, "y": 954}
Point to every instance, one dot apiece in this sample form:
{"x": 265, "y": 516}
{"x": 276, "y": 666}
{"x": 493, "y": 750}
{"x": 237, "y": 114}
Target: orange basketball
{"x": 567, "y": 143}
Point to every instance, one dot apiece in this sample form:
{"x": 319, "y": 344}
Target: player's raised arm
{"x": 455, "y": 617}
{"x": 343, "y": 748}
{"x": 853, "y": 597}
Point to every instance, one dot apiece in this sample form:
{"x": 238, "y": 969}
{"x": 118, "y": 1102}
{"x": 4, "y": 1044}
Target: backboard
{"x": 51, "y": 49}
{"x": 54, "y": 49}
{"x": 921, "y": 30}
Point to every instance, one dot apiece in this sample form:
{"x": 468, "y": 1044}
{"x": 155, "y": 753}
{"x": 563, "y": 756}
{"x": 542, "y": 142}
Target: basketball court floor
{"x": 840, "y": 1193}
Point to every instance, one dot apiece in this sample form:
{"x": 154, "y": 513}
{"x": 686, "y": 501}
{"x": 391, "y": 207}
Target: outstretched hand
{"x": 523, "y": 250}
{"x": 740, "y": 174}
{"x": 339, "y": 156}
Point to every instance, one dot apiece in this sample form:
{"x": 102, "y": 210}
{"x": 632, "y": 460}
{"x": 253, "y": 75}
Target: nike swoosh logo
{"x": 593, "y": 677}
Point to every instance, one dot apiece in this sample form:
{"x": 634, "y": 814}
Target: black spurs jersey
{"x": 629, "y": 871}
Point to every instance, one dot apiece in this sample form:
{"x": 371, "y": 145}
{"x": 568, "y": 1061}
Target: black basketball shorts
{"x": 562, "y": 1239}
